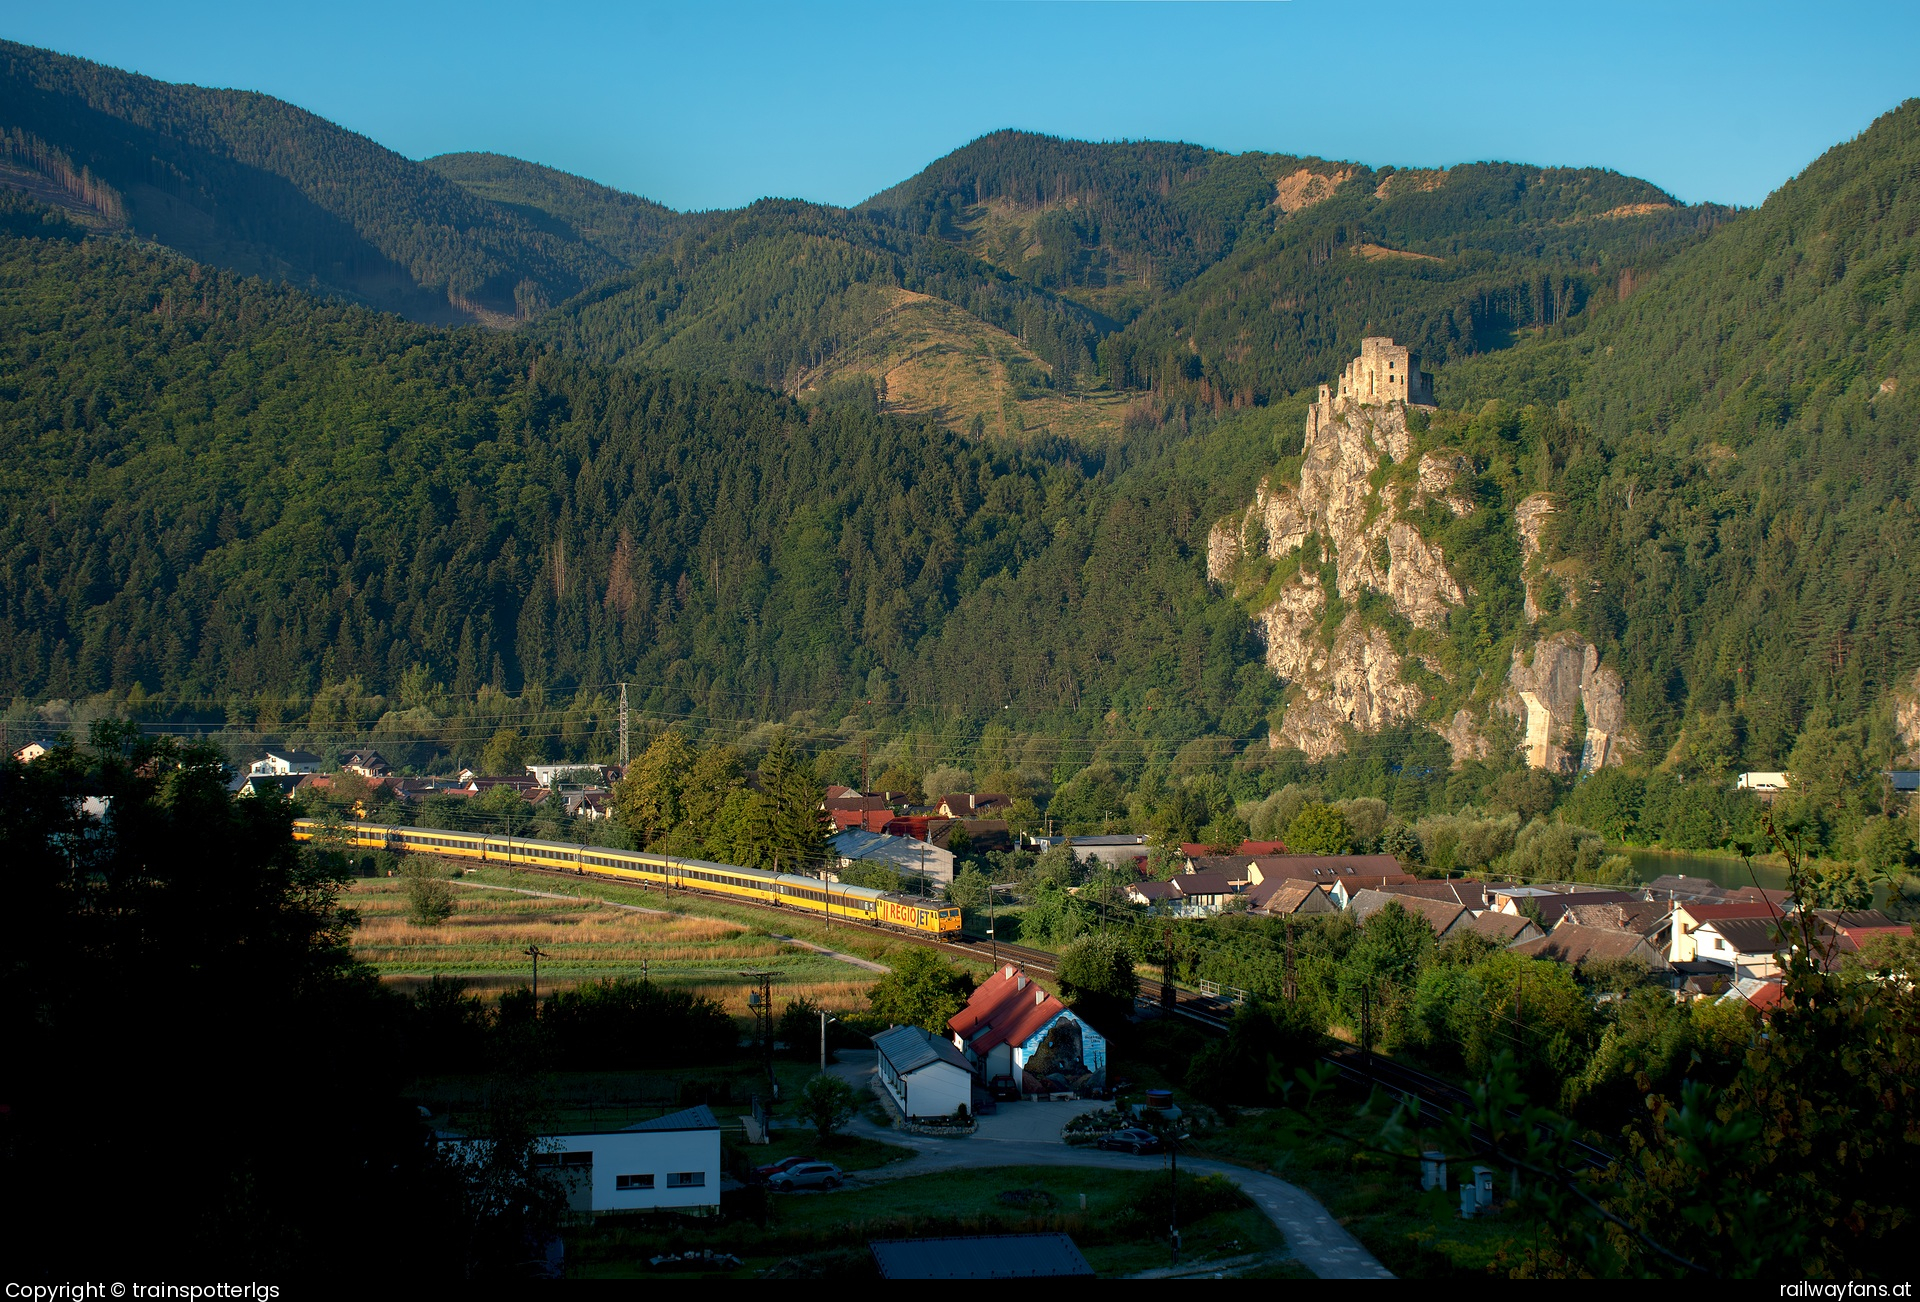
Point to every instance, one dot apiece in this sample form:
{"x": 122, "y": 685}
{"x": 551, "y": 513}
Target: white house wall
{"x": 936, "y": 1089}
{"x": 658, "y": 1153}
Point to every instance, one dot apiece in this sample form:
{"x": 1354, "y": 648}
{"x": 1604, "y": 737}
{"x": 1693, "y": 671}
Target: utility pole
{"x": 534, "y": 952}
{"x": 761, "y": 1002}
{"x": 623, "y": 730}
{"x": 1287, "y": 988}
{"x": 824, "y": 1019}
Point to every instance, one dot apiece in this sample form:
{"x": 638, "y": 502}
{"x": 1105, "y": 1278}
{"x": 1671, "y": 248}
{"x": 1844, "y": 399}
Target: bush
{"x": 429, "y": 898}
{"x": 828, "y": 1103}
{"x": 1266, "y": 1043}
{"x": 627, "y": 1023}
{"x": 1098, "y": 967}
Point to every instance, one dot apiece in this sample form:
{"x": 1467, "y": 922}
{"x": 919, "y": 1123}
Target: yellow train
{"x": 807, "y": 894}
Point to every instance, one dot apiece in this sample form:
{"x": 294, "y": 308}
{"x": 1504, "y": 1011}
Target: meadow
{"x": 583, "y": 938}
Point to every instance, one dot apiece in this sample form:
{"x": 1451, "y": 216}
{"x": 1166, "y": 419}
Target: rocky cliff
{"x": 1347, "y": 528}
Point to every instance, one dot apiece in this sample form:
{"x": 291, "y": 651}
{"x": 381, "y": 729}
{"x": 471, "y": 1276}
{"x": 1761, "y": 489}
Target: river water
{"x": 1649, "y": 864}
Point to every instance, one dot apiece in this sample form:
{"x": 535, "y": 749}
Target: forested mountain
{"x": 624, "y": 226}
{"x": 1739, "y": 498}
{"x": 214, "y": 487}
{"x": 242, "y": 180}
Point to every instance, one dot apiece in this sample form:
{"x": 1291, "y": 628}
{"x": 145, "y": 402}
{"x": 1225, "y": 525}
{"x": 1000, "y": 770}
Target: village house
{"x": 923, "y": 1074}
{"x": 1120, "y": 851}
{"x": 1551, "y": 902}
{"x": 1855, "y": 927}
{"x": 1280, "y": 898}
{"x": 32, "y": 751}
{"x": 1750, "y": 946}
{"x": 1758, "y": 992}
{"x": 279, "y": 761}
{"x": 1012, "y": 1028}
{"x": 965, "y": 804}
{"x": 1649, "y": 918}
{"x": 1445, "y": 918}
{"x": 1687, "y": 918}
{"x": 1193, "y": 852}
{"x": 255, "y": 784}
{"x": 1185, "y": 895}
{"x": 1507, "y": 929}
{"x": 1578, "y": 946}
{"x": 1471, "y": 894}
{"x": 671, "y": 1162}
{"x": 367, "y": 763}
{"x": 555, "y": 776}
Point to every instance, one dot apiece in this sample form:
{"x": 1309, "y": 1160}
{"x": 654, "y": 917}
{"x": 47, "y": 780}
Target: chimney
{"x": 1009, "y": 970}
{"x": 1020, "y": 982}
{"x": 1039, "y": 996}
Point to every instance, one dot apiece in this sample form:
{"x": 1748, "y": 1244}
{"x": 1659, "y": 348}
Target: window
{"x": 632, "y": 1183}
{"x": 686, "y": 1179}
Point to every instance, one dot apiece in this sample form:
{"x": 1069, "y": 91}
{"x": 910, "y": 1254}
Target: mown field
{"x": 583, "y": 938}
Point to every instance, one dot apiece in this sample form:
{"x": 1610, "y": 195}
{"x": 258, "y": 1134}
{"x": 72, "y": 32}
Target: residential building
{"x": 671, "y": 1162}
{"x": 1155, "y": 895}
{"x": 367, "y": 763}
{"x": 1279, "y": 898}
{"x": 1649, "y": 918}
{"x": 926, "y": 1076}
{"x": 967, "y": 804}
{"x": 1750, "y": 946}
{"x": 981, "y": 1256}
{"x": 1504, "y": 928}
{"x": 1857, "y": 926}
{"x": 1011, "y": 1027}
{"x": 32, "y": 751}
{"x": 254, "y": 784}
{"x": 555, "y": 776}
{"x": 867, "y": 820}
{"x": 1367, "y": 870}
{"x": 1471, "y": 894}
{"x": 1688, "y": 917}
{"x": 1120, "y": 851}
{"x": 1552, "y": 902}
{"x": 1758, "y": 992}
{"x": 1579, "y": 946}
{"x": 1444, "y": 917}
{"x": 280, "y": 761}
{"x": 903, "y": 854}
{"x": 978, "y": 835}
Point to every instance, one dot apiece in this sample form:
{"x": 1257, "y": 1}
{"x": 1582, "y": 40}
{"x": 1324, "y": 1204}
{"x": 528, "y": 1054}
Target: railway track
{"x": 1210, "y": 1012}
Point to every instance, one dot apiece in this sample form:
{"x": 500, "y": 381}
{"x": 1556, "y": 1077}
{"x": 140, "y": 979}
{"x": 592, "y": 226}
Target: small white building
{"x": 32, "y": 751}
{"x": 555, "y": 776}
{"x": 926, "y": 1076}
{"x": 671, "y": 1162}
{"x": 283, "y": 761}
{"x": 1765, "y": 783}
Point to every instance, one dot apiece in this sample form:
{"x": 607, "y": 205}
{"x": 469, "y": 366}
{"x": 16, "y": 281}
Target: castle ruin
{"x": 1384, "y": 372}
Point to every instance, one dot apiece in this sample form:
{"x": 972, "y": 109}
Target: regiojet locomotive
{"x": 829, "y": 899}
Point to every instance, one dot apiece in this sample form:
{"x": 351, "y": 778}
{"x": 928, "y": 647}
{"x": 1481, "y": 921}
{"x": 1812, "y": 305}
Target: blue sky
{"x": 715, "y": 104}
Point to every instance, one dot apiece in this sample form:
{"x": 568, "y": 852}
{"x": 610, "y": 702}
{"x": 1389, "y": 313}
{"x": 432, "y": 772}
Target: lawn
{"x": 1121, "y": 1227}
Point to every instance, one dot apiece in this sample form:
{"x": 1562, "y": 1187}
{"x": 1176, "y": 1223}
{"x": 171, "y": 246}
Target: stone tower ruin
{"x": 1384, "y": 372}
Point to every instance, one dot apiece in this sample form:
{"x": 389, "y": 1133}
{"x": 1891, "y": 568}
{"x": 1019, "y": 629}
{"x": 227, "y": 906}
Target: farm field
{"x": 585, "y": 938}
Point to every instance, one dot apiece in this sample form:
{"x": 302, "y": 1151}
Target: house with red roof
{"x": 1012, "y": 1028}
{"x": 1690, "y": 915}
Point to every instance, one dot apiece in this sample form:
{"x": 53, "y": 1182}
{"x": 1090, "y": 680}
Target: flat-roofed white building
{"x": 671, "y": 1163}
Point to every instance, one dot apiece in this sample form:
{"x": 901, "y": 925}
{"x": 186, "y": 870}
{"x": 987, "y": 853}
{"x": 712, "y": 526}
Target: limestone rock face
{"x": 1355, "y": 680}
{"x": 1530, "y": 518}
{"x": 1906, "y": 714}
{"x": 1543, "y": 691}
{"x": 1358, "y": 538}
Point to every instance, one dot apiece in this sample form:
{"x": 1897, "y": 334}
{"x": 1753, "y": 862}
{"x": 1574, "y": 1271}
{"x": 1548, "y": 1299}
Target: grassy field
{"x": 1121, "y": 1230}
{"x": 584, "y": 939}
{"x": 939, "y": 360}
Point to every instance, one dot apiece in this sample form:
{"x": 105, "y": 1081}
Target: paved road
{"x": 1028, "y": 1134}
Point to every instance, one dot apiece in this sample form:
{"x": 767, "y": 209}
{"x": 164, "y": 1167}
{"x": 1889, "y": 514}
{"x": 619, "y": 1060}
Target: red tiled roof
{"x": 1006, "y": 1008}
{"x": 1329, "y": 867}
{"x": 1737, "y": 909}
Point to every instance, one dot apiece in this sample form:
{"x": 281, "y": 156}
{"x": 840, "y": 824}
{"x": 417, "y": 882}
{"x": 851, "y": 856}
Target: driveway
{"x": 1028, "y": 1134}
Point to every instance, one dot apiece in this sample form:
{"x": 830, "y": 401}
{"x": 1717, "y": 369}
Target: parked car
{"x": 808, "y": 1175}
{"x": 1130, "y": 1141}
{"x": 1004, "y": 1088}
{"x": 785, "y": 1164}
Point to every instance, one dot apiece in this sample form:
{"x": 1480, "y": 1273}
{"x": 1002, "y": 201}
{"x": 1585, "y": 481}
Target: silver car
{"x": 808, "y": 1175}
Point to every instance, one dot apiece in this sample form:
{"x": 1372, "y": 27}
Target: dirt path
{"x": 1028, "y": 1134}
